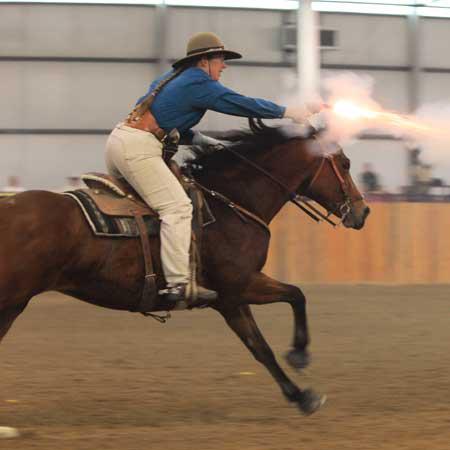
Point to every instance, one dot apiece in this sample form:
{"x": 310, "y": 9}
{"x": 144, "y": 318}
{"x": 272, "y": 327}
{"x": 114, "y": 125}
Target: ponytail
{"x": 145, "y": 104}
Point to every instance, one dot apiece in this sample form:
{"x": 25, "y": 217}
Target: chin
{"x": 357, "y": 226}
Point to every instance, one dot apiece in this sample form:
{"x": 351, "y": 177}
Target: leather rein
{"x": 295, "y": 197}
{"x": 240, "y": 211}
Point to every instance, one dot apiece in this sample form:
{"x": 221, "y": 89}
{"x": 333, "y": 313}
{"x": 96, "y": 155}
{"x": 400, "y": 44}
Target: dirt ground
{"x": 78, "y": 377}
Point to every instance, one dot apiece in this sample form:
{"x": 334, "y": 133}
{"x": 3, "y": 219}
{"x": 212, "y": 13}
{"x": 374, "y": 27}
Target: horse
{"x": 47, "y": 245}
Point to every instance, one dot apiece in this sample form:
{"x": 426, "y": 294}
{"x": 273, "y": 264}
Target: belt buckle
{"x": 172, "y": 137}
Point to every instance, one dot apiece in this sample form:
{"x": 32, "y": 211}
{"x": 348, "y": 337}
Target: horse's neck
{"x": 259, "y": 193}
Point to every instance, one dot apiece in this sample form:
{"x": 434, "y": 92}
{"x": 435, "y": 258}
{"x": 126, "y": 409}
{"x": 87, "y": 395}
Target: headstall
{"x": 295, "y": 197}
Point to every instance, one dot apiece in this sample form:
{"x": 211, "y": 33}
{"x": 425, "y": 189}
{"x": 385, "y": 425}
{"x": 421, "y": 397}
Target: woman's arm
{"x": 221, "y": 99}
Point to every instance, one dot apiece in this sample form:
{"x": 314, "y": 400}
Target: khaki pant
{"x": 137, "y": 156}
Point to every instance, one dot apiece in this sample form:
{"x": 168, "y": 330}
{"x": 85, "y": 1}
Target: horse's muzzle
{"x": 357, "y": 218}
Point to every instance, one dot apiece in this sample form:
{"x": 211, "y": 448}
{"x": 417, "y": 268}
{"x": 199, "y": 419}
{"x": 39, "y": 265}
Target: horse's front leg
{"x": 262, "y": 290}
{"x": 241, "y": 321}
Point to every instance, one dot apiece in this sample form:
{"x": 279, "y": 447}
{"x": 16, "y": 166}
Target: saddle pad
{"x": 104, "y": 225}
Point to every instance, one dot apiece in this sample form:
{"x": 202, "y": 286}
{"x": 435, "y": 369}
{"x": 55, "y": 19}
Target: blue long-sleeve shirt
{"x": 184, "y": 101}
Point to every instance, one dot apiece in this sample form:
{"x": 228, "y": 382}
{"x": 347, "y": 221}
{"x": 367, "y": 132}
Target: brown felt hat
{"x": 203, "y": 44}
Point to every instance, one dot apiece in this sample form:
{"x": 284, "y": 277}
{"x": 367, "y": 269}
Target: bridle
{"x": 298, "y": 199}
{"x": 345, "y": 207}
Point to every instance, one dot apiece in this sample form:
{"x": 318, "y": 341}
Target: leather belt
{"x": 147, "y": 122}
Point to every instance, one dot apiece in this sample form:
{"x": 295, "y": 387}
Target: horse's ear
{"x": 253, "y": 126}
{"x": 257, "y": 125}
{"x": 262, "y": 125}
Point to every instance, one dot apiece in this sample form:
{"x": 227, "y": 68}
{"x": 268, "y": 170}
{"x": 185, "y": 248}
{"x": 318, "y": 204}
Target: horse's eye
{"x": 346, "y": 164}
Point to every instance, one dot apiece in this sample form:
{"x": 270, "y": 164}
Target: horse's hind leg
{"x": 241, "y": 321}
{"x": 262, "y": 290}
{"x": 8, "y": 315}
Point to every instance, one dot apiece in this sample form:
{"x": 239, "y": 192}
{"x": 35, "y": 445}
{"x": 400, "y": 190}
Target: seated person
{"x": 369, "y": 179}
{"x": 174, "y": 104}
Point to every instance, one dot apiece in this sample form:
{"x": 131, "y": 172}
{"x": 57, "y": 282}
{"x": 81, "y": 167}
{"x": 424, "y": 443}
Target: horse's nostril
{"x": 366, "y": 211}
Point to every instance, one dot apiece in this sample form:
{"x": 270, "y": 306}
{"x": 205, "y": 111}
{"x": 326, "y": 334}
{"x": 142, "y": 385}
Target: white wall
{"x": 367, "y": 40}
{"x": 43, "y": 161}
{"x": 80, "y": 94}
{"x": 435, "y": 37}
{"x": 435, "y": 87}
{"x": 255, "y": 34}
{"x": 77, "y": 30}
{"x": 388, "y": 159}
{"x": 70, "y": 94}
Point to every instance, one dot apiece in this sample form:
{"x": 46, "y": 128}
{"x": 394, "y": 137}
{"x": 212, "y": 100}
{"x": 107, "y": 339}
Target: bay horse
{"x": 46, "y": 243}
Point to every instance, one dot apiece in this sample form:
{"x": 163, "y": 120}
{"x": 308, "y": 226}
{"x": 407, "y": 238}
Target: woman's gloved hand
{"x": 300, "y": 114}
{"x": 184, "y": 156}
{"x": 205, "y": 146}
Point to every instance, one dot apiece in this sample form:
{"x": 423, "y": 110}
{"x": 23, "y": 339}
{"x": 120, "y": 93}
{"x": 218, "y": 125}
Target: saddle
{"x": 113, "y": 208}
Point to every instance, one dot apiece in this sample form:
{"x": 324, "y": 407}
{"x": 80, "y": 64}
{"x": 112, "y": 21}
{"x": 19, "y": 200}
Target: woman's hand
{"x": 204, "y": 141}
{"x": 300, "y": 114}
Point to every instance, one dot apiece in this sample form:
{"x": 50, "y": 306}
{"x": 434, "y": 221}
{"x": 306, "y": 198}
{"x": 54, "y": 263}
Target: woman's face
{"x": 213, "y": 66}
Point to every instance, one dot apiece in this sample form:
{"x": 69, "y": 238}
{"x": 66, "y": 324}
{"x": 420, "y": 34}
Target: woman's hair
{"x": 145, "y": 104}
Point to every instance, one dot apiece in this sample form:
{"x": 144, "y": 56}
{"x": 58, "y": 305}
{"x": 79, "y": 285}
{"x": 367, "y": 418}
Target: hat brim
{"x": 228, "y": 54}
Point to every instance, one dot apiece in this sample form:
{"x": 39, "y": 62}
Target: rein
{"x": 239, "y": 210}
{"x": 297, "y": 199}
{"x": 294, "y": 197}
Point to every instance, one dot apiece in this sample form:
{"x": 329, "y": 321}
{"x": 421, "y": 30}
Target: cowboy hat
{"x": 205, "y": 43}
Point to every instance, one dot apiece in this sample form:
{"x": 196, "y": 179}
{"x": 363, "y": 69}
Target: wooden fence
{"x": 400, "y": 243}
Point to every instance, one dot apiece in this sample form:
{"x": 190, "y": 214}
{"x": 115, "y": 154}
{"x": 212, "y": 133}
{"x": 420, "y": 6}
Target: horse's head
{"x": 279, "y": 164}
{"x": 331, "y": 185}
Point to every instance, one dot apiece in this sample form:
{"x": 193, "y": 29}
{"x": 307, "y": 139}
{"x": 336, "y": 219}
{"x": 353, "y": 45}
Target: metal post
{"x": 414, "y": 59}
{"x": 413, "y": 91}
{"x": 308, "y": 61}
{"x": 161, "y": 35}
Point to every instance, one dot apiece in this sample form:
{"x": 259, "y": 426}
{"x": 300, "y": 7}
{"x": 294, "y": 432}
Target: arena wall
{"x": 402, "y": 243}
{"x": 70, "y": 72}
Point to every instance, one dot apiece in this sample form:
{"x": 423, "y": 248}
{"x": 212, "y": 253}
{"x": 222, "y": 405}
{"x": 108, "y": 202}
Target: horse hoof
{"x": 298, "y": 359}
{"x": 311, "y": 402}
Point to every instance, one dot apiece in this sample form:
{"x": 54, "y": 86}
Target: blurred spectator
{"x": 423, "y": 178}
{"x": 13, "y": 185}
{"x": 73, "y": 182}
{"x": 420, "y": 173}
{"x": 369, "y": 179}
{"x": 415, "y": 164}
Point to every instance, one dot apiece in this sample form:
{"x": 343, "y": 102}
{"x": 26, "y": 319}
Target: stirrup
{"x": 183, "y": 292}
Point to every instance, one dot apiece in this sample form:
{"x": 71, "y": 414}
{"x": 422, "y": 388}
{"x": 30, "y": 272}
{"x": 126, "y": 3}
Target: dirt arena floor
{"x": 78, "y": 377}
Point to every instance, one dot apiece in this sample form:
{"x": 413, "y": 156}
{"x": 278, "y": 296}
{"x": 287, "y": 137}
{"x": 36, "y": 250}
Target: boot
{"x": 182, "y": 292}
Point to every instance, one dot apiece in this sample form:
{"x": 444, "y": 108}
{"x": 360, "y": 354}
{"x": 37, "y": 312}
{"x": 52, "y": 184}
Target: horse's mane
{"x": 245, "y": 142}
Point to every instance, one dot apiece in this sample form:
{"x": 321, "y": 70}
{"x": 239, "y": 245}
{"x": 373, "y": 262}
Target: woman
{"x": 177, "y": 101}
